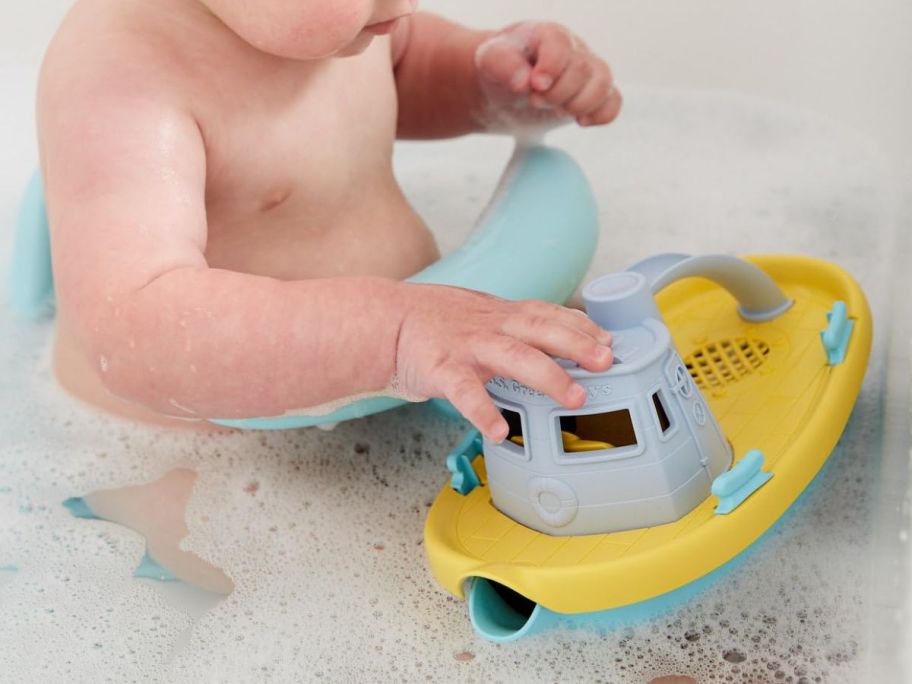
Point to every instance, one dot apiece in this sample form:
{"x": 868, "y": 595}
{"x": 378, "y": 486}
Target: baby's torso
{"x": 299, "y": 180}
{"x": 299, "y": 175}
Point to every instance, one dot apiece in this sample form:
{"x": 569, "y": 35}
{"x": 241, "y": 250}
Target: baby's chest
{"x": 314, "y": 140}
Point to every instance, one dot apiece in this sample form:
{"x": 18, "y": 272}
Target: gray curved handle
{"x": 759, "y": 297}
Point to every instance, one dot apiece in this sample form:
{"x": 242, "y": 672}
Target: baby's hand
{"x": 452, "y": 341}
{"x": 540, "y": 73}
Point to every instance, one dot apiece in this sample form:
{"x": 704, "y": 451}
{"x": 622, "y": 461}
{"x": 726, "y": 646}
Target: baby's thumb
{"x": 503, "y": 61}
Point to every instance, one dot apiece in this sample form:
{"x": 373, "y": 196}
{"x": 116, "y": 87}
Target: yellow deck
{"x": 771, "y": 389}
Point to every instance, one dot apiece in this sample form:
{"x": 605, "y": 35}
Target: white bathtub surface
{"x": 326, "y": 551}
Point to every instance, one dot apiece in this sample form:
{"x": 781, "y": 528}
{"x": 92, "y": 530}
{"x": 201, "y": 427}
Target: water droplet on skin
{"x": 181, "y": 407}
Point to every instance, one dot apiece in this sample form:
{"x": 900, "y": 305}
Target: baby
{"x": 228, "y": 237}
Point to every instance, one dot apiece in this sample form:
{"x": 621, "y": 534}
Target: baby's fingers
{"x": 592, "y": 97}
{"x": 502, "y": 61}
{"x": 606, "y": 113}
{"x": 561, "y": 340}
{"x": 511, "y": 358}
{"x": 554, "y": 47}
{"x": 570, "y": 84}
{"x": 466, "y": 392}
{"x": 572, "y": 318}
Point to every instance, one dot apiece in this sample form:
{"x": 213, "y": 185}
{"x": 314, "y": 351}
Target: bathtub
{"x": 771, "y": 127}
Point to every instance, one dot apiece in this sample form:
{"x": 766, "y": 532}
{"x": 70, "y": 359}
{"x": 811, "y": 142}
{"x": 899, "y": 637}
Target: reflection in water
{"x": 156, "y": 511}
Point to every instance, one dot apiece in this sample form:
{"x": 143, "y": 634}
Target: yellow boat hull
{"x": 771, "y": 388}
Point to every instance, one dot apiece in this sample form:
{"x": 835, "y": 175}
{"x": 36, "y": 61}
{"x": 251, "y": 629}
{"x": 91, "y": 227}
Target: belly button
{"x": 276, "y": 199}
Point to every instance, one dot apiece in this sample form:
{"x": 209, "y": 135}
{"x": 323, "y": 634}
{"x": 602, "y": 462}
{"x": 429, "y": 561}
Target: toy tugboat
{"x": 676, "y": 464}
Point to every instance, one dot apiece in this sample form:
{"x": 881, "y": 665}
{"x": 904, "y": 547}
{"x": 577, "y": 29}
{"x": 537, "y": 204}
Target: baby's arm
{"x": 125, "y": 170}
{"x": 453, "y": 80}
{"x": 125, "y": 179}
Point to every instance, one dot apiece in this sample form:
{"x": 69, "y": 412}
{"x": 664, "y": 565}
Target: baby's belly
{"x": 377, "y": 236}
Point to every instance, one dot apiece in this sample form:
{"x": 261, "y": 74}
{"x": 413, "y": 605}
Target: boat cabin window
{"x": 516, "y": 438}
{"x": 597, "y": 432}
{"x": 658, "y": 401}
{"x": 515, "y": 422}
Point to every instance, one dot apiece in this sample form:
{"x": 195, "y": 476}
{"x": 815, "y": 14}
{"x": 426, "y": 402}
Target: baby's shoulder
{"x": 107, "y": 49}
